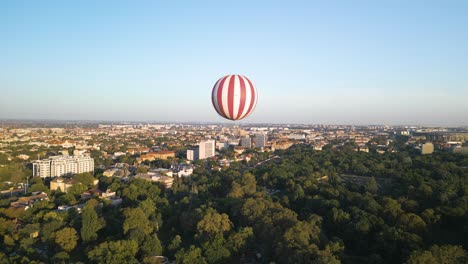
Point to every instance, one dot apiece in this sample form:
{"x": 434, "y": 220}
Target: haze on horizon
{"x": 332, "y": 62}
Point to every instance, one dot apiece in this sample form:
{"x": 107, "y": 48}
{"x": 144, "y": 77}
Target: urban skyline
{"x": 393, "y": 62}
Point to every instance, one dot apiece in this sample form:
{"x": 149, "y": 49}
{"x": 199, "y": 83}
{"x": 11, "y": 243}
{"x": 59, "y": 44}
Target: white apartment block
{"x": 192, "y": 154}
{"x": 206, "y": 149}
{"x": 57, "y": 166}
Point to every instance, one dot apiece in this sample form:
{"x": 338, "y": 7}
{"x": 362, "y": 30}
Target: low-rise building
{"x": 27, "y": 202}
{"x": 184, "y": 170}
{"x": 62, "y": 184}
{"x": 110, "y": 172}
{"x": 157, "y": 155}
{"x": 460, "y": 149}
{"x": 427, "y": 148}
{"x": 155, "y": 177}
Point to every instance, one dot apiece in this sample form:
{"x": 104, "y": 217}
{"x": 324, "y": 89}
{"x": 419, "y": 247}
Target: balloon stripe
{"x": 253, "y": 99}
{"x": 242, "y": 97}
{"x": 231, "y": 96}
{"x": 225, "y": 97}
{"x": 219, "y": 96}
{"x": 214, "y": 100}
{"x": 248, "y": 98}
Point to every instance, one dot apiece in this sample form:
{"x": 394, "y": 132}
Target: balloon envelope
{"x": 234, "y": 97}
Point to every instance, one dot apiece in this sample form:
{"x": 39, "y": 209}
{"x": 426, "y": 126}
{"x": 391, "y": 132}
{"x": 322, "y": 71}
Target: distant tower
{"x": 192, "y": 154}
{"x": 206, "y": 149}
{"x": 261, "y": 140}
{"x": 246, "y": 142}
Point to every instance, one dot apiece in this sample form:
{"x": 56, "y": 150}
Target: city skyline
{"x": 393, "y": 63}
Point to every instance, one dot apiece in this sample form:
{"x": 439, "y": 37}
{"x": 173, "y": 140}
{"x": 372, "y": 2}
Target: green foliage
{"x": 239, "y": 241}
{"x": 215, "y": 250}
{"x": 447, "y": 254}
{"x": 190, "y": 256}
{"x": 371, "y": 208}
{"x": 121, "y": 251}
{"x": 15, "y": 173}
{"x": 91, "y": 222}
{"x": 85, "y": 178}
{"x": 77, "y": 189}
{"x": 372, "y": 186}
{"x": 141, "y": 169}
{"x": 39, "y": 186}
{"x": 214, "y": 223}
{"x": 151, "y": 246}
{"x": 135, "y": 218}
{"x": 66, "y": 238}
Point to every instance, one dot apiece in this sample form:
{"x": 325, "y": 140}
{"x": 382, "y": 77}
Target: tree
{"x": 77, "y": 189}
{"x": 446, "y": 254}
{"x": 66, "y": 238}
{"x": 85, "y": 178}
{"x": 120, "y": 251}
{"x": 148, "y": 207}
{"x": 214, "y": 223}
{"x": 190, "y": 256}
{"x": 151, "y": 246}
{"x": 215, "y": 250}
{"x": 38, "y": 187}
{"x": 239, "y": 240}
{"x": 135, "y": 218}
{"x": 91, "y": 222}
{"x": 249, "y": 184}
{"x": 372, "y": 186}
{"x": 61, "y": 257}
{"x": 175, "y": 244}
{"x": 236, "y": 191}
{"x": 142, "y": 169}
{"x": 3, "y": 158}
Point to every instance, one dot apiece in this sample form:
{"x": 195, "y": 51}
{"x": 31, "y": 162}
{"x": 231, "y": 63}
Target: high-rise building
{"x": 62, "y": 165}
{"x": 206, "y": 149}
{"x": 246, "y": 142}
{"x": 261, "y": 140}
{"x": 192, "y": 154}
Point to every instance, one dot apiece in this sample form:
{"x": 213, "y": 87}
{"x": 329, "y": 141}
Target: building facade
{"x": 62, "y": 184}
{"x": 246, "y": 142}
{"x": 206, "y": 149}
{"x": 261, "y": 140}
{"x": 427, "y": 148}
{"x": 192, "y": 154}
{"x": 57, "y": 166}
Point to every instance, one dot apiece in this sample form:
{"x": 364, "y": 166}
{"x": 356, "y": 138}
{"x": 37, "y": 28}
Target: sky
{"x": 314, "y": 62}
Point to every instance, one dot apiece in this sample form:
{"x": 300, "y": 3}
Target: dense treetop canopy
{"x": 306, "y": 206}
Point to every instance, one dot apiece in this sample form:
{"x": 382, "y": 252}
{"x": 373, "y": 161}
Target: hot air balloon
{"x": 234, "y": 97}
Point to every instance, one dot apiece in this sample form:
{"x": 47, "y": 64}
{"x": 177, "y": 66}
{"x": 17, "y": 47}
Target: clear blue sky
{"x": 346, "y": 62}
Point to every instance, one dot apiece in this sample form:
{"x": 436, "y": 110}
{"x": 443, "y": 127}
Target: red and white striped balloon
{"x": 234, "y": 97}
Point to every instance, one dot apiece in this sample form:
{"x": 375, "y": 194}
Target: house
{"x": 78, "y": 207}
{"x": 111, "y": 196}
{"x": 62, "y": 183}
{"x": 29, "y": 201}
{"x": 183, "y": 170}
{"x": 156, "y": 155}
{"x": 162, "y": 171}
{"x": 107, "y": 195}
{"x": 23, "y": 157}
{"x": 110, "y": 172}
{"x": 239, "y": 149}
{"x": 281, "y": 144}
{"x": 156, "y": 177}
